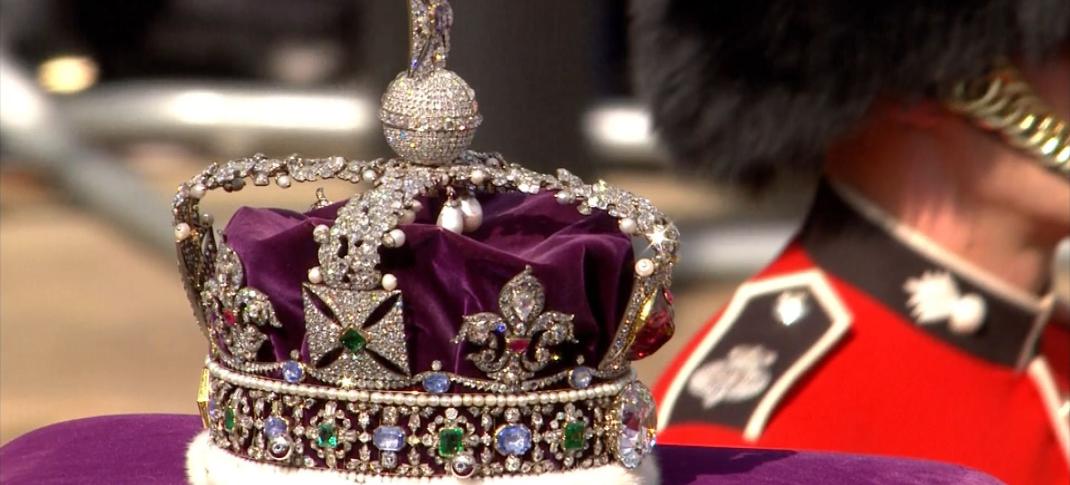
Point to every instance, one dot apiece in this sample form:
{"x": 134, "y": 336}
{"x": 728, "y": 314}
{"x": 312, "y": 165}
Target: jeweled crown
{"x": 374, "y": 337}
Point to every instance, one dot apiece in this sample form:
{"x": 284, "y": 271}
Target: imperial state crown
{"x": 461, "y": 317}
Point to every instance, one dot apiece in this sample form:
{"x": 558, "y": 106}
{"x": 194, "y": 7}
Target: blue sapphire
{"x": 274, "y": 427}
{"x": 437, "y": 383}
{"x": 501, "y": 327}
{"x": 513, "y": 440}
{"x": 389, "y": 438}
{"x": 292, "y": 371}
{"x": 580, "y": 377}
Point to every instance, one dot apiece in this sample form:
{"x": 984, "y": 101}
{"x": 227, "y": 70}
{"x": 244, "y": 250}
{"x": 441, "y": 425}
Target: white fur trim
{"x": 207, "y": 464}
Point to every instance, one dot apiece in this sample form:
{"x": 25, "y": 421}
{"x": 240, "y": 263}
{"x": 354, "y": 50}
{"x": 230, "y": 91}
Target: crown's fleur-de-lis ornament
{"x": 516, "y": 343}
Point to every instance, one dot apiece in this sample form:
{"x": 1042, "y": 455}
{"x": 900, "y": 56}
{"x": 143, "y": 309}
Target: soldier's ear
{"x": 919, "y": 114}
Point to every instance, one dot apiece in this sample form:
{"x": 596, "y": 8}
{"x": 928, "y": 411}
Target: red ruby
{"x": 228, "y": 316}
{"x": 518, "y": 345}
{"x": 656, "y": 329}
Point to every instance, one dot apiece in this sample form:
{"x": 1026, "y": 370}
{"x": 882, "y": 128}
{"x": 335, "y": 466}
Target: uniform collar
{"x": 949, "y": 298}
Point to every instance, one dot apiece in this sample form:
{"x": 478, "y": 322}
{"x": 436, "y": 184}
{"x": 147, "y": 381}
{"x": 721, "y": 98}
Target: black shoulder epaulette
{"x": 771, "y": 333}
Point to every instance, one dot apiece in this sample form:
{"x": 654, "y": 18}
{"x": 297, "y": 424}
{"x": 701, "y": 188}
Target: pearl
{"x": 451, "y": 218}
{"x": 407, "y": 217}
{"x": 564, "y": 197}
{"x": 283, "y": 181}
{"x": 478, "y": 400}
{"x": 390, "y": 282}
{"x": 207, "y": 219}
{"x": 456, "y": 400}
{"x": 197, "y": 191}
{"x": 644, "y": 267}
{"x": 182, "y": 231}
{"x": 395, "y": 238}
{"x": 491, "y": 400}
{"x": 417, "y": 206}
{"x": 471, "y": 213}
{"x": 369, "y": 175}
{"x": 320, "y": 233}
{"x": 315, "y": 276}
{"x": 627, "y": 225}
{"x": 967, "y": 314}
{"x": 478, "y": 177}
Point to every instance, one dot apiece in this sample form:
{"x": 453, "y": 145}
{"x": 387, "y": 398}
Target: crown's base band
{"x": 417, "y": 434}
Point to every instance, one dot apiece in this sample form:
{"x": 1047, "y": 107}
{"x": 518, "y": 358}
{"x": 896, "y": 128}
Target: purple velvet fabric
{"x": 150, "y": 449}
{"x": 584, "y": 262}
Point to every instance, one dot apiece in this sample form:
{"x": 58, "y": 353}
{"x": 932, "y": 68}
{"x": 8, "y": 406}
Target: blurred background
{"x": 106, "y": 106}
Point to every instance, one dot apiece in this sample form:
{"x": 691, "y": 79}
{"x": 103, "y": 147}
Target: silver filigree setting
{"x": 516, "y": 343}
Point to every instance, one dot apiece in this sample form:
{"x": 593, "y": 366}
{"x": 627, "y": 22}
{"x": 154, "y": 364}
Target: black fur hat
{"x": 752, "y": 87}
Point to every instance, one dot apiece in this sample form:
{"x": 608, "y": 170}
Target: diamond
{"x": 228, "y": 418}
{"x": 574, "y": 437}
{"x": 279, "y": 448}
{"x": 580, "y": 377}
{"x": 524, "y": 304}
{"x": 389, "y": 438}
{"x": 635, "y": 410}
{"x": 292, "y": 371}
{"x": 274, "y": 427}
{"x": 353, "y": 341}
{"x": 450, "y": 441}
{"x": 656, "y": 325}
{"x": 327, "y": 436}
{"x": 513, "y": 440}
{"x": 437, "y": 383}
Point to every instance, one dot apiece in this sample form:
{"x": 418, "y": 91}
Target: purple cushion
{"x": 150, "y": 449}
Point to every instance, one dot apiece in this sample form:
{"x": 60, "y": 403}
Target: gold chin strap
{"x": 1005, "y": 103}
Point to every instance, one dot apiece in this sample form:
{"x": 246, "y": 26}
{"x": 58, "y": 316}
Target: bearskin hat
{"x": 749, "y": 89}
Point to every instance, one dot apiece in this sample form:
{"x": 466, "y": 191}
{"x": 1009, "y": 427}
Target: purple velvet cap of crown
{"x": 584, "y": 263}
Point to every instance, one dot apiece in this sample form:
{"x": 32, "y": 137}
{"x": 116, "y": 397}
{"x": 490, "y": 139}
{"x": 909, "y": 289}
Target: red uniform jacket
{"x": 864, "y": 337}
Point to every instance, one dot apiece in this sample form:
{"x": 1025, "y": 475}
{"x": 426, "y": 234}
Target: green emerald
{"x": 450, "y": 442}
{"x": 574, "y": 436}
{"x": 228, "y": 419}
{"x": 327, "y": 436}
{"x": 353, "y": 341}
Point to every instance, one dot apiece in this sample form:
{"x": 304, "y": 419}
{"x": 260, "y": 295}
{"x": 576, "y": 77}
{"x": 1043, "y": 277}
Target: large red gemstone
{"x": 229, "y": 317}
{"x": 518, "y": 345}
{"x": 656, "y": 329}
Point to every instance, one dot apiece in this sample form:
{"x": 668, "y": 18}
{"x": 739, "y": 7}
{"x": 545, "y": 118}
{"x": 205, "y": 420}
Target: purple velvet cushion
{"x": 584, "y": 262}
{"x": 150, "y": 449}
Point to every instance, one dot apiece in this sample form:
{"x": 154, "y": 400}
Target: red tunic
{"x": 864, "y": 340}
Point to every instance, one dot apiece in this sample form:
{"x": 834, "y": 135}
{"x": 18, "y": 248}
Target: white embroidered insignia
{"x": 934, "y": 297}
{"x": 741, "y": 375}
{"x": 790, "y": 307}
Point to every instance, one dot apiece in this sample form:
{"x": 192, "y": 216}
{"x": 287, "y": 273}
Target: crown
{"x": 375, "y": 338}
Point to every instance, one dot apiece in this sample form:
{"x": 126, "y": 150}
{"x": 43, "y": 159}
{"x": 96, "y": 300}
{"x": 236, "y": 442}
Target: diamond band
{"x": 416, "y": 435}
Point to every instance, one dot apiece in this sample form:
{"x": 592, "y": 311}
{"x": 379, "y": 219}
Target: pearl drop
{"x": 395, "y": 238}
{"x": 644, "y": 267}
{"x": 315, "y": 276}
{"x": 283, "y": 181}
{"x": 369, "y": 175}
{"x": 451, "y": 219}
{"x": 390, "y": 282}
{"x": 197, "y": 191}
{"x": 472, "y": 213}
{"x": 407, "y": 217}
{"x": 182, "y": 231}
{"x": 417, "y": 206}
{"x": 627, "y": 225}
{"x": 207, "y": 219}
{"x": 564, "y": 197}
{"x": 478, "y": 177}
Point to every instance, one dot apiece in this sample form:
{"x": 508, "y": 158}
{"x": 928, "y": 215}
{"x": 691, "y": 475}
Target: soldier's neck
{"x": 967, "y": 192}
